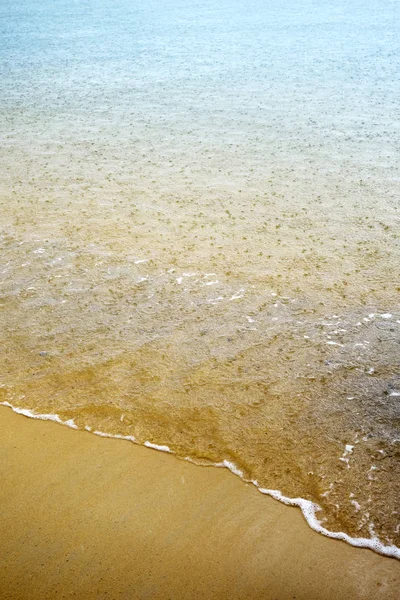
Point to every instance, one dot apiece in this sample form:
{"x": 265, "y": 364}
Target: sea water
{"x": 199, "y": 236}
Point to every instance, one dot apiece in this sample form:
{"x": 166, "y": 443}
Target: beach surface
{"x": 88, "y": 517}
{"x": 199, "y": 237}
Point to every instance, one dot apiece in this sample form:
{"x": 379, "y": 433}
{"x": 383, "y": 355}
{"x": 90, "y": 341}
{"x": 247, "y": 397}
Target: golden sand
{"x": 87, "y": 517}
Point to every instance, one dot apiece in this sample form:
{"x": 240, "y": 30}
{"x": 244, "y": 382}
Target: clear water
{"x": 200, "y": 235}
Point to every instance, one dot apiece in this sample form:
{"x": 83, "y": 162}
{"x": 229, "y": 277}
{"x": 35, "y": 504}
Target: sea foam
{"x": 308, "y": 508}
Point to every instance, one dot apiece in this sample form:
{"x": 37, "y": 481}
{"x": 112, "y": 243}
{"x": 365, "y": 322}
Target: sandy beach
{"x": 88, "y": 517}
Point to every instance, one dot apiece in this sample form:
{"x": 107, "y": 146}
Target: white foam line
{"x": 308, "y": 508}
{"x": 112, "y": 435}
{"x": 157, "y": 447}
{"x": 43, "y": 417}
{"x": 232, "y": 467}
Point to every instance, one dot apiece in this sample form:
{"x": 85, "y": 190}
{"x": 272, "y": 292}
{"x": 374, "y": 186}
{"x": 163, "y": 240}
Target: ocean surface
{"x": 200, "y": 237}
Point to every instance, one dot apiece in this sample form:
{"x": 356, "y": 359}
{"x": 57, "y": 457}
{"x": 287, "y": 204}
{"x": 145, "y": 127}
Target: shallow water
{"x": 199, "y": 236}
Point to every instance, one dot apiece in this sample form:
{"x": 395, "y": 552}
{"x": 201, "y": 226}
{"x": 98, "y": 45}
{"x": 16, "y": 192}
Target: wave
{"x": 309, "y": 509}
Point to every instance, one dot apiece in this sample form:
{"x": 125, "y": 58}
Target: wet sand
{"x": 88, "y": 517}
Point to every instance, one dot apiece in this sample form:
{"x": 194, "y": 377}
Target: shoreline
{"x": 119, "y": 521}
{"x": 309, "y": 509}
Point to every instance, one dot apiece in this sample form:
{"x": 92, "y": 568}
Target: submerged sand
{"x": 88, "y": 517}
